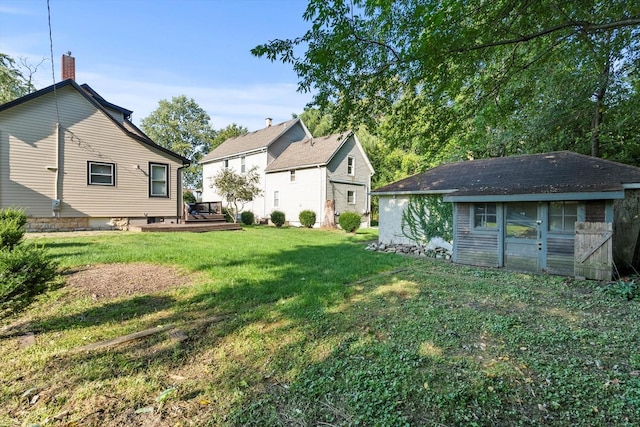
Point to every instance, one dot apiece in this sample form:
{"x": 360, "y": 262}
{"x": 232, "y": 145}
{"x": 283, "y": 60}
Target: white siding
{"x": 306, "y": 193}
{"x": 390, "y": 225}
{"x": 28, "y": 161}
{"x": 209, "y": 170}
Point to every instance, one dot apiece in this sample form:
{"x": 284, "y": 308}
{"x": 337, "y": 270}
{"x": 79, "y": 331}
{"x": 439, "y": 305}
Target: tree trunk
{"x": 329, "y": 214}
{"x": 596, "y": 122}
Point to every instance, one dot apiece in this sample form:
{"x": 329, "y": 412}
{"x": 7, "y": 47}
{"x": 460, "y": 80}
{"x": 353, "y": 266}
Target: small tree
{"x": 237, "y": 188}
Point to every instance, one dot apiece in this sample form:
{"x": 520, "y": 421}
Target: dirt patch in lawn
{"x": 118, "y": 280}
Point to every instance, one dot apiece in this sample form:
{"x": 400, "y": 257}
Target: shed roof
{"x": 249, "y": 141}
{"x": 308, "y": 152}
{"x": 547, "y": 173}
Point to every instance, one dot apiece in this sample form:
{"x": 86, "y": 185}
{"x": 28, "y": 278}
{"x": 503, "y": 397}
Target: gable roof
{"x": 537, "y": 174}
{"x": 309, "y": 152}
{"x": 256, "y": 140}
{"x": 99, "y": 103}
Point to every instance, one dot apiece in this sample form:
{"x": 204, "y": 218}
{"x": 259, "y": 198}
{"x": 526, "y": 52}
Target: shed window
{"x": 563, "y": 216}
{"x": 99, "y": 173}
{"x": 351, "y": 166}
{"x": 158, "y": 180}
{"x": 484, "y": 215}
{"x": 351, "y": 197}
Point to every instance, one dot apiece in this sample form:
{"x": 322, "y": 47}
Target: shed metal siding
{"x": 474, "y": 247}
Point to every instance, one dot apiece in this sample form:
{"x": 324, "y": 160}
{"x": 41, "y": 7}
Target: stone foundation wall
{"x": 43, "y": 224}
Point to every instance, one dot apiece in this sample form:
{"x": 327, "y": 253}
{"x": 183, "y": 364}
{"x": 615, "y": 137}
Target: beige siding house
{"x": 72, "y": 160}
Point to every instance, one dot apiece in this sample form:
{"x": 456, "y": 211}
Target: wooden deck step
{"x": 196, "y": 227}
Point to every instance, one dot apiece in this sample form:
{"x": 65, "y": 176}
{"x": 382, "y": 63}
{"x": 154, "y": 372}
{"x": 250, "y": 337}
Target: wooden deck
{"x": 199, "y": 217}
{"x": 194, "y": 227}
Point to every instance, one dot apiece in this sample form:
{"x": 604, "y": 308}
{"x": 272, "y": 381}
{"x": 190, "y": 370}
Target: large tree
{"x": 13, "y": 81}
{"x": 484, "y": 68}
{"x": 230, "y": 131}
{"x": 183, "y": 127}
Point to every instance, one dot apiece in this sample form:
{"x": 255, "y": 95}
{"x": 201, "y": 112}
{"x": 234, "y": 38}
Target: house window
{"x": 243, "y": 167}
{"x": 99, "y": 173}
{"x": 351, "y": 166}
{"x": 276, "y": 199}
{"x": 484, "y": 215}
{"x": 292, "y": 176}
{"x": 351, "y": 197}
{"x": 563, "y": 216}
{"x": 158, "y": 180}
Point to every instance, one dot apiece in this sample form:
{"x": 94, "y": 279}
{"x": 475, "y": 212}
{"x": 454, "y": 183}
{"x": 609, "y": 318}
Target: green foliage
{"x": 25, "y": 269}
{"x": 182, "y": 126}
{"x": 12, "y": 227}
{"x": 237, "y": 188}
{"x": 307, "y": 218}
{"x": 247, "y": 218}
{"x": 455, "y": 80}
{"x": 231, "y": 131}
{"x": 349, "y": 221}
{"x": 188, "y": 197}
{"x": 13, "y": 83}
{"x": 278, "y": 218}
{"x": 626, "y": 288}
{"x": 25, "y": 272}
{"x": 426, "y": 217}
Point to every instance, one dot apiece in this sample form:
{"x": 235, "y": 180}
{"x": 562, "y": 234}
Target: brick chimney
{"x": 68, "y": 66}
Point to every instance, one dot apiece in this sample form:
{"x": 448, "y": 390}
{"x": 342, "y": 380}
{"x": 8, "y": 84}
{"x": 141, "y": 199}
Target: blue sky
{"x": 137, "y": 52}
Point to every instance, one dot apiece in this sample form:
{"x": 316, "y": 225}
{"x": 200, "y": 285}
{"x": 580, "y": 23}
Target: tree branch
{"x": 583, "y": 26}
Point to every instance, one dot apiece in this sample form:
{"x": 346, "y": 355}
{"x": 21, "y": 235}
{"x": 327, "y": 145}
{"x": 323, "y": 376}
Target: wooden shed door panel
{"x": 593, "y": 250}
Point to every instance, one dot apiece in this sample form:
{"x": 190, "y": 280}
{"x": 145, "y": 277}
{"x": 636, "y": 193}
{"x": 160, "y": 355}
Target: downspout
{"x": 55, "y": 204}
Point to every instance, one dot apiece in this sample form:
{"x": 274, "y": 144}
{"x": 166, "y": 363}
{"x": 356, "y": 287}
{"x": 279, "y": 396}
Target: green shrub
{"x": 349, "y": 221}
{"x": 188, "y": 197}
{"x": 12, "y": 227}
{"x": 307, "y": 218}
{"x": 277, "y": 218}
{"x": 247, "y": 218}
{"x": 25, "y": 272}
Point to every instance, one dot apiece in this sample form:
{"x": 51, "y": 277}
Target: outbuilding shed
{"x": 560, "y": 212}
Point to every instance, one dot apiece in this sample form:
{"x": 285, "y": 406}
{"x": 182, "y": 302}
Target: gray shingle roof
{"x": 556, "y": 172}
{"x": 248, "y": 142}
{"x": 309, "y": 152}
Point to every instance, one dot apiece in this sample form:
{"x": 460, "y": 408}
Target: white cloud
{"x": 244, "y": 105}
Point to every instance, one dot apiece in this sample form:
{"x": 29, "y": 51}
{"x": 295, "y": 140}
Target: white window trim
{"x": 351, "y": 166}
{"x": 166, "y": 179}
{"x": 243, "y": 166}
{"x": 91, "y": 174}
{"x": 354, "y": 197}
{"x": 292, "y": 175}
{"x": 276, "y": 198}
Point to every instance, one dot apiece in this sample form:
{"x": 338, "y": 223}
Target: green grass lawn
{"x": 319, "y": 332}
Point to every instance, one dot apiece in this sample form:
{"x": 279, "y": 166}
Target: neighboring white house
{"x": 297, "y": 172}
{"x": 72, "y": 160}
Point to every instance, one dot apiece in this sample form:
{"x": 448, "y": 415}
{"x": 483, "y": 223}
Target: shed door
{"x": 523, "y": 244}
